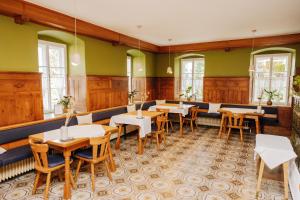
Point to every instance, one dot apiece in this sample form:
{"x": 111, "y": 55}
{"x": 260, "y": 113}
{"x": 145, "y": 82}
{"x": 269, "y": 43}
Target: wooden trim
{"x": 23, "y": 11}
{"x": 228, "y": 44}
{"x": 15, "y": 144}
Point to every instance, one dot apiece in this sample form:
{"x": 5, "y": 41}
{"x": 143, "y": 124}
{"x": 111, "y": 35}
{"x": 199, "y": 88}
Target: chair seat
{"x": 85, "y": 153}
{"x": 55, "y": 160}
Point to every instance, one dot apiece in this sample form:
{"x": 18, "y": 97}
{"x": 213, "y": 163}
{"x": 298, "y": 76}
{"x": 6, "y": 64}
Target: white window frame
{"x": 289, "y": 55}
{"x": 193, "y": 65}
{"x": 129, "y": 74}
{"x": 47, "y": 43}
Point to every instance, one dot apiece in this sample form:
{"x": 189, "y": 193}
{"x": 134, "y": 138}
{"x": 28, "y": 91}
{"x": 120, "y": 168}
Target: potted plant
{"x": 66, "y": 102}
{"x": 188, "y": 93}
{"x": 131, "y": 95}
{"x": 296, "y": 83}
{"x": 271, "y": 94}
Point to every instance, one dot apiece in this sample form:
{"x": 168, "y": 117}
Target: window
{"x": 52, "y": 65}
{"x": 192, "y": 73}
{"x": 272, "y": 72}
{"x": 129, "y": 73}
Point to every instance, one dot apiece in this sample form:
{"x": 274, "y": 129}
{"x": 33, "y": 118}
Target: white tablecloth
{"x": 274, "y": 150}
{"x": 144, "y": 123}
{"x": 184, "y": 110}
{"x": 82, "y": 131}
{"x": 241, "y": 110}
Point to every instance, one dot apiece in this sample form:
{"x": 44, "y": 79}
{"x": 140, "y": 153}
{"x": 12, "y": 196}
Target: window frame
{"x": 60, "y": 45}
{"x": 289, "y": 75}
{"x": 193, "y": 66}
{"x": 129, "y": 77}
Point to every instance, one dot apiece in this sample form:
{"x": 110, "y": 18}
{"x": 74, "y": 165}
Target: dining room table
{"x": 81, "y": 138}
{"x": 248, "y": 114}
{"x": 181, "y": 109}
{"x": 143, "y": 123}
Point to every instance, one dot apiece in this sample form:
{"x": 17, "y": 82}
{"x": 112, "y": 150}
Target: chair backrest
{"x": 235, "y": 120}
{"x": 160, "y": 123}
{"x": 39, "y": 152}
{"x": 194, "y": 112}
{"x": 165, "y": 111}
{"x": 100, "y": 147}
{"x": 131, "y": 108}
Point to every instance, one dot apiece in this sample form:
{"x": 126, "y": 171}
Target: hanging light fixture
{"x": 139, "y": 64}
{"x": 75, "y": 58}
{"x": 252, "y": 67}
{"x": 169, "y": 68}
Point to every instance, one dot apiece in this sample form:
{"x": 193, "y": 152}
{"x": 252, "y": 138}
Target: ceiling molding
{"x": 230, "y": 44}
{"x": 23, "y": 11}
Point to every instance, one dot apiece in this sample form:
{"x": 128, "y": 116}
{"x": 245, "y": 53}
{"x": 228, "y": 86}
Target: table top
{"x": 151, "y": 114}
{"x": 40, "y": 137}
{"x": 248, "y": 111}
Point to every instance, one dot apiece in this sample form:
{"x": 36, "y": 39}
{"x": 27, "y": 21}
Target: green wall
{"x": 218, "y": 62}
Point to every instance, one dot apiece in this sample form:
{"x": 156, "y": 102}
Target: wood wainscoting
{"x": 165, "y": 87}
{"x": 226, "y": 90}
{"x": 146, "y": 85}
{"x": 106, "y": 91}
{"x": 20, "y": 97}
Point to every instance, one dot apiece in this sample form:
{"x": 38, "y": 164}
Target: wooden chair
{"x": 98, "y": 152}
{"x": 159, "y": 132}
{"x": 192, "y": 117}
{"x": 46, "y": 164}
{"x": 224, "y": 124}
{"x": 167, "y": 122}
{"x": 235, "y": 121}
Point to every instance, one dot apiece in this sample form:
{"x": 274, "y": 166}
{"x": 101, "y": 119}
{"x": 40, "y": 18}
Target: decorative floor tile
{"x": 201, "y": 167}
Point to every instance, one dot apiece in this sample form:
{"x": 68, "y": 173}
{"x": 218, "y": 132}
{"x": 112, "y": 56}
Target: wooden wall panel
{"x": 165, "y": 88}
{"x": 20, "y": 97}
{"x": 145, "y": 85}
{"x": 106, "y": 91}
{"x": 226, "y": 90}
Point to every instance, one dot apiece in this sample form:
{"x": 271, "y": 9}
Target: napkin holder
{"x": 259, "y": 110}
{"x": 180, "y": 104}
{"x": 139, "y": 114}
{"x": 64, "y": 133}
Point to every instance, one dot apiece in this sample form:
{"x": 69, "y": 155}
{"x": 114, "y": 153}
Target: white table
{"x": 274, "y": 151}
{"x": 174, "y": 108}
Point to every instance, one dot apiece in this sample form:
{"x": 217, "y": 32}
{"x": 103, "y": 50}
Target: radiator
{"x": 208, "y": 121}
{"x": 16, "y": 168}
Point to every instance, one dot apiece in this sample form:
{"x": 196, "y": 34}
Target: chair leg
{"x": 72, "y": 181}
{"x": 93, "y": 176}
{"x": 228, "y": 134}
{"x": 157, "y": 142}
{"x": 167, "y": 124}
{"x": 192, "y": 126}
{"x": 108, "y": 170}
{"x": 171, "y": 125}
{"x": 47, "y": 185}
{"x": 241, "y": 135}
{"x": 77, "y": 170}
{"x": 36, "y": 181}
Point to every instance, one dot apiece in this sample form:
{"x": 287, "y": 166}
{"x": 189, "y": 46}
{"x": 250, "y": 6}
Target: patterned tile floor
{"x": 192, "y": 167}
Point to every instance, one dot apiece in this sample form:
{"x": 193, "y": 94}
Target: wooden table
{"x": 140, "y": 150}
{"x": 177, "y": 106}
{"x": 247, "y": 115}
{"x": 67, "y": 148}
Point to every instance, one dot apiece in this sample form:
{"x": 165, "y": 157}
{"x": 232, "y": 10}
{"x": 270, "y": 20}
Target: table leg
{"x": 112, "y": 164}
{"x": 118, "y": 142}
{"x": 67, "y": 189}
{"x": 140, "y": 144}
{"x": 181, "y": 125}
{"x": 257, "y": 124}
{"x": 260, "y": 174}
{"x": 285, "y": 177}
{"x": 221, "y": 127}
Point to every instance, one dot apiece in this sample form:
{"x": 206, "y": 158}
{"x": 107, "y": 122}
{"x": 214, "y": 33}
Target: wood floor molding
{"x": 20, "y": 97}
{"x": 23, "y": 12}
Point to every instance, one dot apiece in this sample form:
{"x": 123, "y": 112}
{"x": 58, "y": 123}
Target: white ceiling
{"x": 185, "y": 21}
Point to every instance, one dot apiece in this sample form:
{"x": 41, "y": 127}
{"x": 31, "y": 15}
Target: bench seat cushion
{"x": 14, "y": 155}
{"x": 209, "y": 115}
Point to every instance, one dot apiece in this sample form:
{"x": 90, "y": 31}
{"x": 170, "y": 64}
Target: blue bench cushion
{"x": 101, "y": 115}
{"x": 55, "y": 160}
{"x": 209, "y": 115}
{"x": 14, "y": 155}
